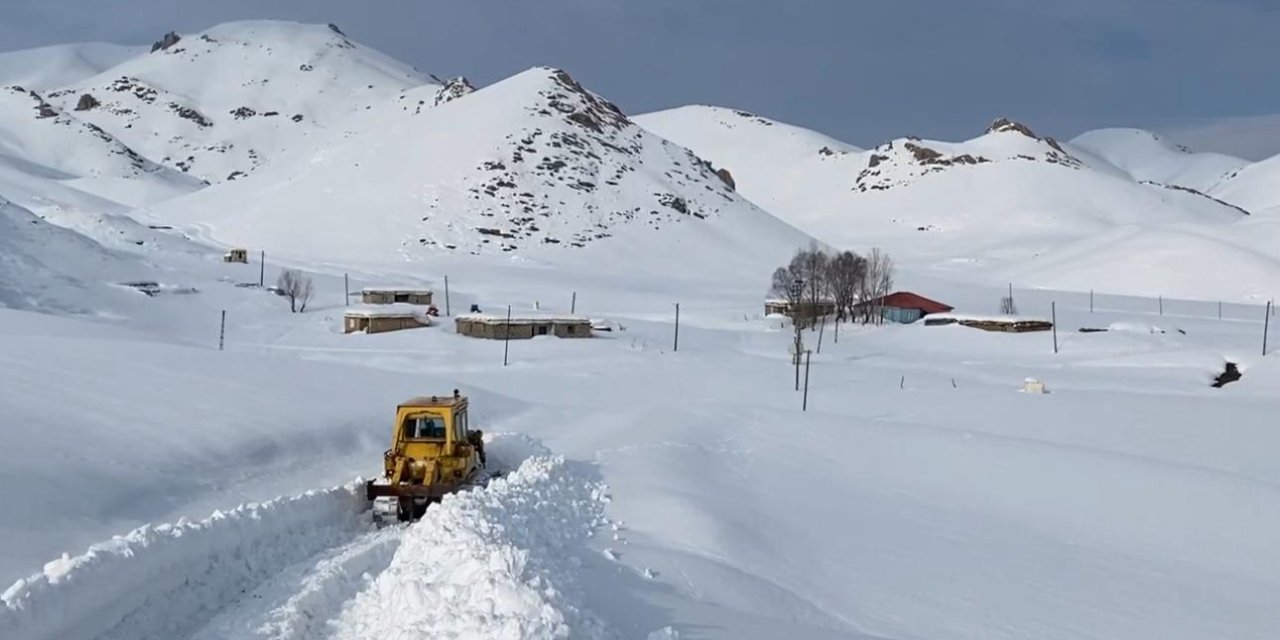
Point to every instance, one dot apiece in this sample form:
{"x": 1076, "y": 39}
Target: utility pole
{"x": 506, "y": 337}
{"x": 446, "y": 297}
{"x": 346, "y": 290}
{"x": 262, "y": 269}
{"x": 805, "y": 405}
{"x": 1219, "y": 309}
{"x": 222, "y": 331}
{"x": 822, "y": 329}
{"x": 1053, "y": 306}
{"x": 1161, "y": 305}
{"x": 676, "y": 345}
{"x": 573, "y": 306}
{"x": 1266, "y": 327}
{"x": 1091, "y": 301}
{"x": 795, "y": 290}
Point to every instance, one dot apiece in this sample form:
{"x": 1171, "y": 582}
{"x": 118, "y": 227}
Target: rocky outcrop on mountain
{"x": 87, "y": 102}
{"x": 453, "y": 89}
{"x": 169, "y": 40}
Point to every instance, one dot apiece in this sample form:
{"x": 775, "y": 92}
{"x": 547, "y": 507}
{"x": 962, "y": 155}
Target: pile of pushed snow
{"x": 221, "y": 103}
{"x": 163, "y": 581}
{"x": 499, "y": 563}
{"x": 535, "y": 165}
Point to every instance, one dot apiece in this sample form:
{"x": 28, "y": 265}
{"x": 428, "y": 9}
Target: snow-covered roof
{"x": 398, "y": 310}
{"x": 784, "y": 301}
{"x": 524, "y": 317}
{"x": 395, "y": 290}
{"x": 981, "y": 318}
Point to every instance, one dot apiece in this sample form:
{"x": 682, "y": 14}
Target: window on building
{"x": 542, "y": 329}
{"x": 401, "y": 297}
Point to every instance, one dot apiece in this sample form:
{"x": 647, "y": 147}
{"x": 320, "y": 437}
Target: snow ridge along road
{"x": 490, "y": 562}
{"x": 161, "y": 581}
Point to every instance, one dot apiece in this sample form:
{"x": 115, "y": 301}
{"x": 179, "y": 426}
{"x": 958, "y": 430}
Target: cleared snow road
{"x": 497, "y": 562}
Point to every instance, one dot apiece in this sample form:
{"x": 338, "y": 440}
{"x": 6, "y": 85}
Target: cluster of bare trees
{"x": 844, "y": 280}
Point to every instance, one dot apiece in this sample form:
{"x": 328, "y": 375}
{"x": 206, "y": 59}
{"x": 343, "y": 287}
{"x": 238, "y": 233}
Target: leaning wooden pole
{"x": 506, "y": 337}
{"x": 1266, "y": 328}
{"x": 1053, "y": 307}
{"x": 805, "y": 405}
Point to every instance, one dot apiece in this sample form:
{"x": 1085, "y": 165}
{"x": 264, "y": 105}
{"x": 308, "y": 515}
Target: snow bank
{"x": 159, "y": 581}
{"x": 493, "y": 564}
{"x": 396, "y": 310}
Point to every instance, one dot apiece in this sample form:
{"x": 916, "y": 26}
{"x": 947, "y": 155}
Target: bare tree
{"x": 814, "y": 269}
{"x": 844, "y": 272}
{"x": 297, "y": 287}
{"x": 876, "y": 283}
{"x": 1007, "y": 307}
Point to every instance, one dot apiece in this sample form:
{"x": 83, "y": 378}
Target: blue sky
{"x": 861, "y": 70}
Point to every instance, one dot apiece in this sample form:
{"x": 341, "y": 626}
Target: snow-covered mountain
{"x": 994, "y": 205}
{"x": 1148, "y": 157}
{"x": 58, "y": 66}
{"x": 45, "y": 267}
{"x": 772, "y": 163}
{"x": 1007, "y": 184}
{"x": 50, "y": 150}
{"x": 535, "y": 166}
{"x": 224, "y": 102}
{"x": 1255, "y": 187}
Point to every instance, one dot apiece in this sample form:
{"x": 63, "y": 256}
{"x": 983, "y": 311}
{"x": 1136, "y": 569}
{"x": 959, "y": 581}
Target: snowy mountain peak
{"x": 222, "y": 103}
{"x": 578, "y": 105}
{"x": 453, "y": 89}
{"x": 1005, "y": 125}
{"x": 1002, "y": 125}
{"x": 901, "y": 162}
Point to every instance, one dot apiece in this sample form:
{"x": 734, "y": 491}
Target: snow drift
{"x": 157, "y": 582}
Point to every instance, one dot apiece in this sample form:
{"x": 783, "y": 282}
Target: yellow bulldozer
{"x": 433, "y": 452}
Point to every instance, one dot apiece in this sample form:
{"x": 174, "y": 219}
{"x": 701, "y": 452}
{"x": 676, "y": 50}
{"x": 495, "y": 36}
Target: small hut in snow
{"x": 397, "y": 295}
{"x": 522, "y": 327}
{"x": 383, "y": 318}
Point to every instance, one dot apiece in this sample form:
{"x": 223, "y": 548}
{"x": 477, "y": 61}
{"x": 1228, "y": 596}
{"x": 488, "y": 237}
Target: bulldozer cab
{"x": 424, "y": 426}
{"x": 433, "y": 452}
{"x": 432, "y": 428}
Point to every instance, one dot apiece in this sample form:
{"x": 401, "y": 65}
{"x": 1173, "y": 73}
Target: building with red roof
{"x": 906, "y": 307}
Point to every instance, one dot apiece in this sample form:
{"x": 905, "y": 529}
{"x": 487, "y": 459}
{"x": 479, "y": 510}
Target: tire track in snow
{"x": 299, "y": 602}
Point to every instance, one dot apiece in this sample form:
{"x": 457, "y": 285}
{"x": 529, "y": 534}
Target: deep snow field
{"x": 155, "y": 486}
{"x": 662, "y": 492}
